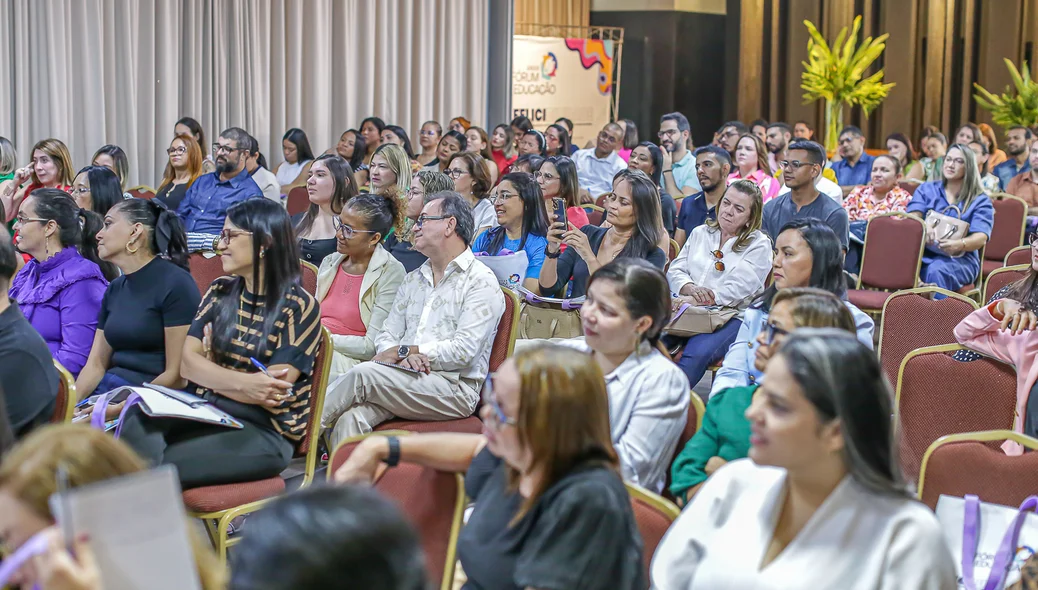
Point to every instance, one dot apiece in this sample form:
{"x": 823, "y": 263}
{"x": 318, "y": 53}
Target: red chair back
{"x": 911, "y": 320}
{"x": 507, "y": 331}
{"x": 937, "y": 396}
{"x": 308, "y": 277}
{"x": 1008, "y": 231}
{"x": 696, "y": 411}
{"x": 653, "y": 516}
{"x": 893, "y": 252}
{"x": 298, "y": 200}
{"x": 909, "y": 186}
{"x": 65, "y": 402}
{"x": 973, "y": 463}
{"x": 1004, "y": 276}
{"x": 318, "y": 389}
{"x": 142, "y": 192}
{"x": 205, "y": 270}
{"x": 1018, "y": 255}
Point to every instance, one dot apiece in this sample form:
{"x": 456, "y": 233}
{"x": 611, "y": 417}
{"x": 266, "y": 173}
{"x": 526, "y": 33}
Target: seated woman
{"x": 930, "y": 166}
{"x": 472, "y": 180}
{"x": 558, "y": 140}
{"x": 523, "y": 224}
{"x": 390, "y": 171}
{"x": 97, "y": 189}
{"x": 528, "y": 163}
{"x": 648, "y": 158}
{"x": 807, "y": 254}
{"x": 146, "y": 312}
{"x": 260, "y": 312}
{"x": 988, "y": 180}
{"x": 953, "y": 264}
{"x": 725, "y": 433}
{"x": 633, "y": 211}
{"x": 724, "y": 262}
{"x": 400, "y": 243}
{"x": 479, "y": 143}
{"x": 29, "y": 477}
{"x": 557, "y": 177}
{"x": 329, "y": 186}
{"x": 533, "y": 143}
{"x": 396, "y": 134}
{"x": 298, "y": 155}
{"x": 451, "y": 143}
{"x": 191, "y": 127}
{"x": 60, "y": 289}
{"x": 114, "y": 158}
{"x": 357, "y": 283}
{"x": 51, "y": 167}
{"x": 900, "y": 148}
{"x": 882, "y": 195}
{"x": 183, "y": 168}
{"x": 428, "y": 140}
{"x": 371, "y": 130}
{"x": 751, "y": 163}
{"x": 567, "y": 526}
{"x": 819, "y": 502}
{"x": 502, "y": 147}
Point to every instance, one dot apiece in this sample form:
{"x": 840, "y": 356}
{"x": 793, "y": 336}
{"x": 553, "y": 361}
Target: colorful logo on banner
{"x": 596, "y": 52}
{"x": 549, "y": 65}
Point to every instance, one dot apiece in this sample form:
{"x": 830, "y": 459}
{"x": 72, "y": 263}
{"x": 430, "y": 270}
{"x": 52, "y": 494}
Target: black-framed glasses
{"x": 229, "y": 234}
{"x": 178, "y": 151}
{"x": 347, "y": 231}
{"x": 491, "y": 400}
{"x": 225, "y": 149}
{"x": 771, "y": 330}
{"x": 664, "y": 133}
{"x": 423, "y": 218}
{"x": 455, "y": 173}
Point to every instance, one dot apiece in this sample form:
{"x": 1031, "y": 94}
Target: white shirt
{"x": 744, "y": 272}
{"x": 856, "y": 540}
{"x": 596, "y": 174}
{"x": 453, "y": 323}
{"x": 484, "y": 215}
{"x": 268, "y": 183}
{"x": 648, "y": 408}
{"x": 287, "y": 173}
{"x": 824, "y": 186}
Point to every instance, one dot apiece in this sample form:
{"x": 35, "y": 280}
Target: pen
{"x": 263, "y": 369}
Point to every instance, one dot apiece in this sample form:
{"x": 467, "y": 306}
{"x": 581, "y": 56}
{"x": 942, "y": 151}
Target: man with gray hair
{"x": 434, "y": 349}
{"x": 597, "y": 165}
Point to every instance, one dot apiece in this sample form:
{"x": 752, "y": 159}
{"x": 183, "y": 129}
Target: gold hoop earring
{"x": 134, "y": 251}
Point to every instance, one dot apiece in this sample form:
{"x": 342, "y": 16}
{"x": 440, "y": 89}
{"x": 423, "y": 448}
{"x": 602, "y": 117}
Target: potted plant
{"x": 1009, "y": 110}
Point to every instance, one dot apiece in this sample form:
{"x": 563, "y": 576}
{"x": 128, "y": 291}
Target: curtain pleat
{"x": 91, "y": 72}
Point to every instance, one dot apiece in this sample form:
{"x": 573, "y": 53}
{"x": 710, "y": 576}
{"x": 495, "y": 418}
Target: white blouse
{"x": 289, "y": 172}
{"x": 856, "y": 540}
{"x": 484, "y": 215}
{"x": 744, "y": 272}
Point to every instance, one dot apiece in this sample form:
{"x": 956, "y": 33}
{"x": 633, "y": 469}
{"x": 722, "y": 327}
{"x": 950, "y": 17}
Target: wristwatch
{"x": 403, "y": 351}
{"x": 394, "y": 451}
{"x": 552, "y": 255}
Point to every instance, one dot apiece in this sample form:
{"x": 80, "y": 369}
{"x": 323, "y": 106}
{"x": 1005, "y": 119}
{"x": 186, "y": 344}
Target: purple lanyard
{"x": 1006, "y": 551}
{"x": 97, "y": 414}
{"x": 36, "y": 545}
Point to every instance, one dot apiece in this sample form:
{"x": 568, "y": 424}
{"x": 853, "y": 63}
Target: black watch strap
{"x": 552, "y": 255}
{"x": 394, "y": 451}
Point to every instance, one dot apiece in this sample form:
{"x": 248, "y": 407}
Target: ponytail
{"x": 381, "y": 213}
{"x": 163, "y": 228}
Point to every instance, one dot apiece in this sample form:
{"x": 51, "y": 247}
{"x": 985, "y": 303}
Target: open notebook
{"x": 162, "y": 402}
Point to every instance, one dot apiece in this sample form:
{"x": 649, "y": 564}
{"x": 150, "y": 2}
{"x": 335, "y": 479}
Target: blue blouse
{"x": 980, "y": 214}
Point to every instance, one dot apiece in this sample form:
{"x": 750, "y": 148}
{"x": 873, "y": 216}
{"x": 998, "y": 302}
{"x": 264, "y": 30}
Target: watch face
{"x": 403, "y": 351}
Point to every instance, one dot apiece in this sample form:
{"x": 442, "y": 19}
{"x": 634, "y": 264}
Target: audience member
{"x": 316, "y": 538}
{"x": 296, "y": 148}
{"x": 353, "y": 149}
{"x": 550, "y": 509}
{"x": 953, "y": 264}
{"x": 533, "y": 142}
{"x": 1018, "y": 147}
{"x": 713, "y": 164}
{"x": 804, "y": 163}
{"x": 30, "y": 476}
{"x": 528, "y": 164}
{"x": 391, "y": 171}
{"x": 725, "y": 432}
{"x": 28, "y": 379}
{"x": 329, "y": 186}
{"x": 401, "y": 243}
{"x": 724, "y": 262}
{"x": 997, "y": 156}
{"x": 751, "y": 163}
{"x": 396, "y": 134}
{"x": 559, "y": 141}
{"x": 881, "y": 195}
{"x": 356, "y": 284}
{"x": 1025, "y": 184}
{"x": 191, "y": 127}
{"x": 729, "y": 135}
{"x": 114, "y": 158}
{"x": 205, "y": 205}
{"x": 51, "y": 167}
{"x": 451, "y": 143}
{"x": 759, "y": 129}
{"x": 633, "y": 212}
{"x": 968, "y": 134}
{"x": 819, "y": 503}
{"x": 935, "y": 146}
{"x": 371, "y": 130}
{"x": 478, "y": 142}
{"x": 182, "y": 170}
{"x": 260, "y": 312}
{"x": 680, "y": 179}
{"x": 803, "y": 131}
{"x": 520, "y": 126}
{"x": 97, "y": 189}
{"x": 472, "y": 180}
{"x": 146, "y": 311}
{"x": 8, "y": 165}
{"x": 60, "y": 289}
{"x": 807, "y": 254}
{"x": 987, "y": 180}
{"x": 522, "y": 225}
{"x": 854, "y": 165}
{"x": 596, "y": 166}
{"x": 266, "y": 180}
{"x": 428, "y": 140}
{"x": 459, "y": 124}
{"x": 778, "y": 137}
{"x": 440, "y": 331}
{"x": 630, "y": 138}
{"x": 502, "y": 147}
{"x": 557, "y": 177}
{"x": 649, "y": 159}
{"x": 900, "y": 148}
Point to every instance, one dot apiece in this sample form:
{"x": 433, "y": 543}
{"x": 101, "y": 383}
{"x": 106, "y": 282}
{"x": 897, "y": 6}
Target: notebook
{"x": 162, "y": 402}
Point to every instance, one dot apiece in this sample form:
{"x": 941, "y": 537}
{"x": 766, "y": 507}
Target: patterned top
{"x": 293, "y": 341}
{"x": 861, "y": 207}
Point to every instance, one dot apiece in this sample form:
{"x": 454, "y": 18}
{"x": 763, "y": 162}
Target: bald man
{"x": 596, "y": 166}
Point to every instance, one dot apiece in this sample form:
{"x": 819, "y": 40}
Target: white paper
{"x": 157, "y": 403}
{"x": 509, "y": 269}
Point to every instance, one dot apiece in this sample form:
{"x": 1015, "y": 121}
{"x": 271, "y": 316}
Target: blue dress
{"x": 938, "y": 268}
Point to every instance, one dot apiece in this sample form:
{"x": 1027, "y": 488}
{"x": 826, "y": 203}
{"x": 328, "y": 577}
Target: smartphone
{"x": 559, "y": 206}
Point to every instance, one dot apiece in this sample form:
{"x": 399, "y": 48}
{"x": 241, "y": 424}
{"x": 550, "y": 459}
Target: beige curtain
{"x": 91, "y": 72}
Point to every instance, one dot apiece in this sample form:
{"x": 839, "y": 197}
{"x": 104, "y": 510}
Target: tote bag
{"x": 989, "y": 541}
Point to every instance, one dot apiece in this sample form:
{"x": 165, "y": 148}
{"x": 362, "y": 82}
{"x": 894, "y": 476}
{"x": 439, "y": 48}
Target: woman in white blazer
{"x": 357, "y": 283}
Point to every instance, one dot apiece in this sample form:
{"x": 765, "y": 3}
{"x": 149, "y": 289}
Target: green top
{"x": 7, "y": 176}
{"x": 725, "y": 433}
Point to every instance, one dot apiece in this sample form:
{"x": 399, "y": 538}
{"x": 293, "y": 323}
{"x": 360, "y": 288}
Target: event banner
{"x": 572, "y": 78}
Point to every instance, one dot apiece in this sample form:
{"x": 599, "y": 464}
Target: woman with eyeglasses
{"x": 429, "y": 140}
{"x": 724, "y": 262}
{"x": 502, "y": 147}
{"x": 819, "y": 502}
{"x": 97, "y": 189}
{"x": 60, "y": 289}
{"x": 357, "y": 283}
{"x": 390, "y": 171}
{"x": 183, "y": 168}
{"x": 329, "y": 185}
{"x": 807, "y": 254}
{"x": 633, "y": 211}
{"x": 954, "y": 264}
{"x": 558, "y": 139}
{"x": 400, "y": 244}
{"x": 725, "y": 433}
{"x": 451, "y": 143}
{"x": 260, "y": 311}
{"x": 523, "y": 225}
{"x": 190, "y": 127}
{"x": 479, "y": 143}
{"x": 471, "y": 179}
{"x": 557, "y": 177}
{"x": 550, "y": 508}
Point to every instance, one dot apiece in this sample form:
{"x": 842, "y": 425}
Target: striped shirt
{"x": 292, "y": 341}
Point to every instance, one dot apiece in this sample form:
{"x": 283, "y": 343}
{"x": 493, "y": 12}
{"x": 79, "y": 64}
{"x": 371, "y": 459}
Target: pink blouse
{"x": 340, "y": 310}
{"x": 769, "y": 185}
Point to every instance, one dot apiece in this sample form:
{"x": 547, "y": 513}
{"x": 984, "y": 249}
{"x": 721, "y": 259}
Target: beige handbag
{"x": 545, "y": 320}
{"x": 690, "y": 320}
{"x": 945, "y": 227}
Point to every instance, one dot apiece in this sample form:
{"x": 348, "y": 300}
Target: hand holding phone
{"x": 559, "y": 210}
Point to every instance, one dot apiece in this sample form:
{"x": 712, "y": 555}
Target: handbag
{"x": 546, "y": 320}
{"x": 990, "y": 542}
{"x": 946, "y": 227}
{"x": 690, "y": 320}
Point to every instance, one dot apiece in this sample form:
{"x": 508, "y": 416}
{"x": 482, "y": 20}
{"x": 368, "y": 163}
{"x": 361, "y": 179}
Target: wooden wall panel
{"x": 796, "y": 52}
{"x": 751, "y": 57}
{"x": 997, "y": 41}
{"x": 553, "y": 12}
{"x": 900, "y": 62}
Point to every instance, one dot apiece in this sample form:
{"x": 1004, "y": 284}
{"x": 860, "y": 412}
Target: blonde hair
{"x": 750, "y": 189}
{"x": 760, "y": 148}
{"x": 8, "y": 156}
{"x": 194, "y": 161}
{"x": 57, "y": 150}
{"x": 399, "y": 163}
{"x": 972, "y": 186}
{"x": 29, "y": 473}
{"x": 816, "y": 308}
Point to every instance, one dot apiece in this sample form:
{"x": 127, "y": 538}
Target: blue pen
{"x": 263, "y": 369}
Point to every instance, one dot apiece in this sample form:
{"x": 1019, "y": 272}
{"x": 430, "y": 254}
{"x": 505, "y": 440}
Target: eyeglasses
{"x": 415, "y": 191}
{"x": 718, "y": 264}
{"x": 794, "y": 165}
{"x": 423, "y": 218}
{"x": 229, "y": 234}
{"x": 770, "y": 331}
{"x": 178, "y": 151}
{"x": 346, "y": 231}
{"x": 79, "y": 191}
{"x": 544, "y": 176}
{"x": 956, "y": 161}
{"x": 664, "y": 133}
{"x": 455, "y": 173}
{"x": 225, "y": 149}
{"x": 500, "y": 417}
{"x": 23, "y": 220}
{"x": 606, "y": 137}
{"x": 501, "y": 197}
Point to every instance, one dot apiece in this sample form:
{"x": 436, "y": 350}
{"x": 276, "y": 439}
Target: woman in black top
{"x": 648, "y": 158}
{"x": 97, "y": 189}
{"x": 425, "y": 182}
{"x": 551, "y": 510}
{"x": 145, "y": 313}
{"x": 633, "y": 212}
{"x": 259, "y": 312}
{"x": 329, "y": 185}
{"x": 184, "y": 167}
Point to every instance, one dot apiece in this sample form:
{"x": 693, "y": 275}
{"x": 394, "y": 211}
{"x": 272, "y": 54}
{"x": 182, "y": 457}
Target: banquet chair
{"x": 973, "y": 463}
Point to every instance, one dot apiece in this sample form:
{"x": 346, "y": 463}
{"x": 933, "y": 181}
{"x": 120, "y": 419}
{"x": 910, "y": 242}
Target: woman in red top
{"x": 558, "y": 179}
{"x": 51, "y": 167}
{"x": 502, "y": 147}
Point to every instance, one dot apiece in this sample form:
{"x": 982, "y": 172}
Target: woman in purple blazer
{"x": 59, "y": 291}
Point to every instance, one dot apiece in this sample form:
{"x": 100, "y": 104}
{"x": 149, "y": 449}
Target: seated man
{"x": 802, "y": 166}
{"x": 855, "y": 165}
{"x": 205, "y": 205}
{"x": 437, "y": 339}
{"x": 596, "y": 166}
